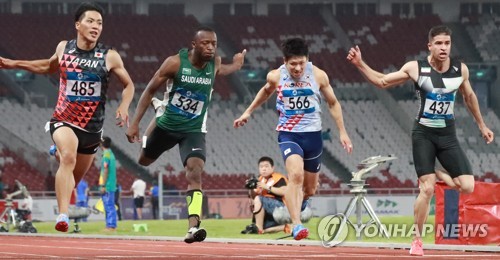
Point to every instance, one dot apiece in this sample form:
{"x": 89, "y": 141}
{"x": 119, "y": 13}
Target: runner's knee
{"x": 67, "y": 157}
{"x": 193, "y": 172}
{"x": 309, "y": 191}
{"x": 427, "y": 190}
{"x": 145, "y": 161}
{"x": 296, "y": 177}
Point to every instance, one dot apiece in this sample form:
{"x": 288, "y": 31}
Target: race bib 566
{"x": 298, "y": 101}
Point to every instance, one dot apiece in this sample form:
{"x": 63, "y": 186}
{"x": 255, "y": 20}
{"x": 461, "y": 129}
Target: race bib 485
{"x": 83, "y": 86}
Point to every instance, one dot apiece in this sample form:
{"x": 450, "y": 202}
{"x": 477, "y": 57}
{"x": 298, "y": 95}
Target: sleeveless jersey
{"x": 188, "y": 97}
{"x": 298, "y": 102}
{"x": 82, "y": 87}
{"x": 436, "y": 93}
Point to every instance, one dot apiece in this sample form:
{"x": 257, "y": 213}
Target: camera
{"x": 251, "y": 183}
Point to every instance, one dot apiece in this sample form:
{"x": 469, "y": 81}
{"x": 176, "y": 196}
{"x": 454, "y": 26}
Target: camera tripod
{"x": 359, "y": 200}
{"x": 8, "y": 216}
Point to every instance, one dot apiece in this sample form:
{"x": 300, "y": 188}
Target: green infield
{"x": 231, "y": 228}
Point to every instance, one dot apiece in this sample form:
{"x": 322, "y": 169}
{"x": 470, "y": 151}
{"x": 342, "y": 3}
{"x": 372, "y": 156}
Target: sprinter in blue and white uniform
{"x": 299, "y": 85}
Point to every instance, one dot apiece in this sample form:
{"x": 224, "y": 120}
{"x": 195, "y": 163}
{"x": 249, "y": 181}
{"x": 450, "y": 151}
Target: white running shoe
{"x": 195, "y": 234}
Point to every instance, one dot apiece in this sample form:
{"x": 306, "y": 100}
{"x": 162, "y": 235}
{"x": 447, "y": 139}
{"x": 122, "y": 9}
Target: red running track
{"x": 28, "y": 247}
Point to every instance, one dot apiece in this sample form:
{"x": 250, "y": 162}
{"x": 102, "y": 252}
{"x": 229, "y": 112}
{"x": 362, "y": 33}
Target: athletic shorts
{"x": 309, "y": 145}
{"x": 161, "y": 140}
{"x": 139, "y": 202}
{"x": 268, "y": 205}
{"x": 87, "y": 142}
{"x": 430, "y": 143}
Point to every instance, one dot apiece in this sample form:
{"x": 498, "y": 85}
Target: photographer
{"x": 267, "y": 194}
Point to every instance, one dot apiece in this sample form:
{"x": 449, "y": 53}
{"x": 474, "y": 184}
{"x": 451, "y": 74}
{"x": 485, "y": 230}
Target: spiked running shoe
{"x": 53, "y": 150}
{"x": 62, "y": 223}
{"x": 155, "y": 103}
{"x": 299, "y": 232}
{"x": 416, "y": 248}
{"x": 195, "y": 234}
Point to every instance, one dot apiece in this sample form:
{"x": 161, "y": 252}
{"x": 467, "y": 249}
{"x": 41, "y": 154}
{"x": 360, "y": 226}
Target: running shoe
{"x": 155, "y": 103}
{"x": 305, "y": 203}
{"x": 299, "y": 232}
{"x": 62, "y": 223}
{"x": 195, "y": 234}
{"x": 305, "y": 211}
{"x": 53, "y": 150}
{"x": 416, "y": 247}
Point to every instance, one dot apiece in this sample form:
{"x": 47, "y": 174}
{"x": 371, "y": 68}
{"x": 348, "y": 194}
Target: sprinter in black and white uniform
{"x": 437, "y": 80}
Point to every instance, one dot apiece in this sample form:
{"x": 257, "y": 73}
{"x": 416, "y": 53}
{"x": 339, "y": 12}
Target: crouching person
{"x": 266, "y": 195}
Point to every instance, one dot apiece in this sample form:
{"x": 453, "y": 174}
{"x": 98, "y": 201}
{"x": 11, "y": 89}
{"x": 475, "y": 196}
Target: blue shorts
{"x": 268, "y": 205}
{"x": 309, "y": 145}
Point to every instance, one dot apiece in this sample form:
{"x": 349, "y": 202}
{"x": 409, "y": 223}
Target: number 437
{"x": 440, "y": 107}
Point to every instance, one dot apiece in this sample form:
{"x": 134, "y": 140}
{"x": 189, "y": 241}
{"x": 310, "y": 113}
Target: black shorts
{"x": 87, "y": 142}
{"x": 430, "y": 143}
{"x": 139, "y": 202}
{"x": 161, "y": 140}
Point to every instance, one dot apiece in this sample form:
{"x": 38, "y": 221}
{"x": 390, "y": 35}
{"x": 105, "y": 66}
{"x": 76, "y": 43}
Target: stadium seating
{"x": 232, "y": 154}
{"x": 484, "y": 30}
{"x": 373, "y": 132}
{"x": 129, "y": 35}
{"x": 381, "y": 38}
{"x": 388, "y": 41}
{"x": 4, "y": 91}
{"x": 15, "y": 168}
{"x": 229, "y": 151}
{"x": 27, "y": 123}
{"x": 235, "y": 152}
{"x": 263, "y": 35}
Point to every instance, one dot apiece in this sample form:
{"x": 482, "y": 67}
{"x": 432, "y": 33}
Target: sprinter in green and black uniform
{"x": 183, "y": 122}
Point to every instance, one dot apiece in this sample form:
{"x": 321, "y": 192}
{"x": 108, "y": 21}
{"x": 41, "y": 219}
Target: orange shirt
{"x": 275, "y": 180}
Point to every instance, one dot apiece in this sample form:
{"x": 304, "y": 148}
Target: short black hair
{"x": 266, "y": 159}
{"x": 202, "y": 29}
{"x": 87, "y": 6}
{"x": 106, "y": 141}
{"x": 294, "y": 47}
{"x": 438, "y": 30}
